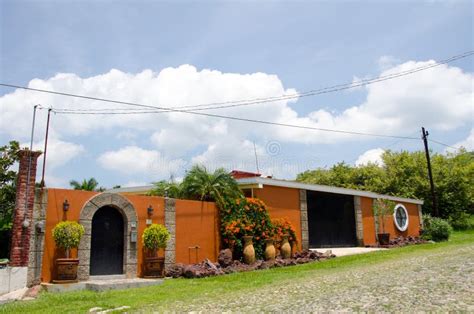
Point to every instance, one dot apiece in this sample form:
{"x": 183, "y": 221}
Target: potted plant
{"x": 382, "y": 209}
{"x": 154, "y": 238}
{"x": 67, "y": 235}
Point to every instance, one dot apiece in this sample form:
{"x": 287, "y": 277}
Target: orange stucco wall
{"x": 196, "y": 231}
{"x": 282, "y": 203}
{"x": 55, "y": 214}
{"x": 195, "y": 225}
{"x": 369, "y": 222}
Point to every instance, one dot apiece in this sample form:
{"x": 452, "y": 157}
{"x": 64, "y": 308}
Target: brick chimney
{"x": 23, "y": 215}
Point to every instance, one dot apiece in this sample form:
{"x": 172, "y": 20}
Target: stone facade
{"x": 304, "y": 220}
{"x": 131, "y": 225}
{"x": 37, "y": 238}
{"x": 170, "y": 224}
{"x": 23, "y": 214}
{"x": 358, "y": 221}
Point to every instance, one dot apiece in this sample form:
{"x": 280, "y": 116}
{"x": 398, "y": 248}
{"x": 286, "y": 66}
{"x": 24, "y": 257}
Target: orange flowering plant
{"x": 245, "y": 217}
{"x": 283, "y": 226}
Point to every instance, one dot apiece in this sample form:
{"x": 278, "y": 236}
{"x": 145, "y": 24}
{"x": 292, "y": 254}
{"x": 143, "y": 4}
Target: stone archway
{"x": 130, "y": 222}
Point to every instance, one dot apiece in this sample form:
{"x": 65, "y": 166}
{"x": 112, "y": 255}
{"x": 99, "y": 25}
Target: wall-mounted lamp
{"x": 65, "y": 206}
{"x": 149, "y": 210}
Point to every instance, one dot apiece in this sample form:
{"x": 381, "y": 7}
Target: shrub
{"x": 245, "y": 216}
{"x": 283, "y": 226}
{"x": 436, "y": 229}
{"x": 67, "y": 235}
{"x": 382, "y": 208}
{"x": 155, "y": 237}
{"x": 461, "y": 221}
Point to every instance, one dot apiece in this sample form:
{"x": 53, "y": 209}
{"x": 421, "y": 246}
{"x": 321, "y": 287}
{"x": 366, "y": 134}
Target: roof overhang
{"x": 258, "y": 181}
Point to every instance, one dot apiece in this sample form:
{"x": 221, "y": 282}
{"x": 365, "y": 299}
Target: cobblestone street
{"x": 436, "y": 281}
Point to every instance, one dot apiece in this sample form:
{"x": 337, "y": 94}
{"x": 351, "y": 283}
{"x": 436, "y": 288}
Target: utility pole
{"x": 28, "y": 176}
{"x": 430, "y": 174}
{"x": 45, "y": 148}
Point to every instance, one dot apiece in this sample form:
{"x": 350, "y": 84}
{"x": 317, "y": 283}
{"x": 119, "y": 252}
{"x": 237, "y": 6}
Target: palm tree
{"x": 86, "y": 185}
{"x": 165, "y": 188}
{"x": 202, "y": 185}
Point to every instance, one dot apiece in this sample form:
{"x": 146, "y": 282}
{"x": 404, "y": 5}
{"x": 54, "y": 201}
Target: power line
{"x": 264, "y": 122}
{"x": 236, "y": 103}
{"x": 315, "y": 92}
{"x": 437, "y": 142}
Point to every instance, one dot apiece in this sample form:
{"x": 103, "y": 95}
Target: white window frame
{"x": 401, "y": 228}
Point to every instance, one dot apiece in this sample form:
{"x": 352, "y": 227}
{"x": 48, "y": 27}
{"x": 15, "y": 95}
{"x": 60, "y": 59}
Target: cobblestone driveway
{"x": 439, "y": 281}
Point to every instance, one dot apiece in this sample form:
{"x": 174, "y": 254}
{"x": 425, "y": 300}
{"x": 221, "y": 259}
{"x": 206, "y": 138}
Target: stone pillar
{"x": 23, "y": 214}
{"x": 170, "y": 224}
{"x": 37, "y": 238}
{"x": 304, "y": 220}
{"x": 358, "y": 221}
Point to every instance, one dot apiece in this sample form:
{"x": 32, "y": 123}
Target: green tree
{"x": 8, "y": 157}
{"x": 405, "y": 174}
{"x": 165, "y": 188}
{"x": 86, "y": 185}
{"x": 202, "y": 185}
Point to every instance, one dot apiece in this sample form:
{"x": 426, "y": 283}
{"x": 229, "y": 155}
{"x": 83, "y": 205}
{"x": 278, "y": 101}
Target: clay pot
{"x": 154, "y": 267}
{"x": 294, "y": 247}
{"x": 66, "y": 270}
{"x": 285, "y": 249}
{"x": 384, "y": 238}
{"x": 249, "y": 251}
{"x": 269, "y": 250}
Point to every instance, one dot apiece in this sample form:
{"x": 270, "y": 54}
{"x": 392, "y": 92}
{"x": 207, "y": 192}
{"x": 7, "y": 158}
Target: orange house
{"x": 114, "y": 221}
{"x": 328, "y": 216}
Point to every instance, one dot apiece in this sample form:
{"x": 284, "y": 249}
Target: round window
{"x": 400, "y": 217}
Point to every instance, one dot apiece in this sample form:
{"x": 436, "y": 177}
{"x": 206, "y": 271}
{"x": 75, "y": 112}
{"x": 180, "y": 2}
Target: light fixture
{"x": 65, "y": 206}
{"x": 149, "y": 210}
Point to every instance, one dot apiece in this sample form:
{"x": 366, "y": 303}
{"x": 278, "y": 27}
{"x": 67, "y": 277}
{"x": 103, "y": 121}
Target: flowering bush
{"x": 282, "y": 226}
{"x": 245, "y": 217}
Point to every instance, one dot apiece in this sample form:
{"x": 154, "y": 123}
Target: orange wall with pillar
{"x": 196, "y": 225}
{"x": 368, "y": 221}
{"x": 197, "y": 231}
{"x": 282, "y": 203}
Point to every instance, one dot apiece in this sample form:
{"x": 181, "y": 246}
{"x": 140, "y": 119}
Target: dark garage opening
{"x": 331, "y": 220}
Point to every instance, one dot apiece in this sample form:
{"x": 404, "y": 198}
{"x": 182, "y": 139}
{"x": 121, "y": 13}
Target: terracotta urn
{"x": 269, "y": 250}
{"x": 249, "y": 251}
{"x": 285, "y": 249}
{"x": 294, "y": 248}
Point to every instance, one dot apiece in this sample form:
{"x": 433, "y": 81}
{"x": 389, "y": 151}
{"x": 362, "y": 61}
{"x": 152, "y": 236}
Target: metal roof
{"x": 259, "y": 181}
{"x": 322, "y": 188}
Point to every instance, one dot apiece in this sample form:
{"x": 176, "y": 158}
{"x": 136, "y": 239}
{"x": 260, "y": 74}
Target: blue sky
{"x": 297, "y": 46}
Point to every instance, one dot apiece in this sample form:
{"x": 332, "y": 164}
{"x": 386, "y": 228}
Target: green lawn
{"x": 186, "y": 290}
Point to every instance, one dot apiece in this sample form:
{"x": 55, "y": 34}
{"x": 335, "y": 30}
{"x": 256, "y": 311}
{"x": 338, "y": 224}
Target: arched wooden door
{"x": 107, "y": 242}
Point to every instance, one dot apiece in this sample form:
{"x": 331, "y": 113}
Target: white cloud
{"x": 371, "y": 156}
{"x": 58, "y": 152}
{"x": 467, "y": 143}
{"x": 387, "y": 62}
{"x": 133, "y": 160}
{"x": 439, "y": 98}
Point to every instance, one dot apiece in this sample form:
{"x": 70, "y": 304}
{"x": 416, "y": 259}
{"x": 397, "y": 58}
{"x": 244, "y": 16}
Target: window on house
{"x": 400, "y": 217}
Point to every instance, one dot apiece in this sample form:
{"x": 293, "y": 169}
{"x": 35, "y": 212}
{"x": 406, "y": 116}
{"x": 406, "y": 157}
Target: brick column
{"x": 304, "y": 220}
{"x": 23, "y": 214}
{"x": 170, "y": 224}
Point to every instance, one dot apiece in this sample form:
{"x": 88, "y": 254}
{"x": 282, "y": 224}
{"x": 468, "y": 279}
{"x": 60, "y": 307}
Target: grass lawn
{"x": 187, "y": 290}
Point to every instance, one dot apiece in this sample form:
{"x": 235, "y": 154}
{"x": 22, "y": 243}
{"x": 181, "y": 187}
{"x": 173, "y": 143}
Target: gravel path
{"x": 439, "y": 281}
